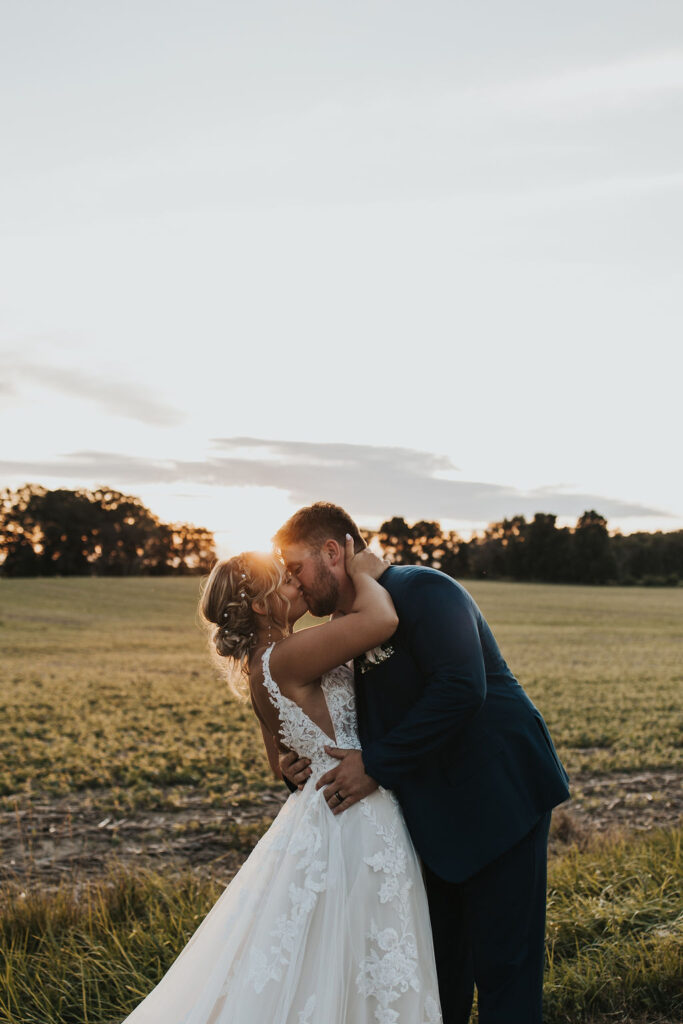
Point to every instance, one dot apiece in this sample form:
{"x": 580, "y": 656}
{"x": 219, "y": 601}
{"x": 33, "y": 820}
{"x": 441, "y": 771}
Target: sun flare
{"x": 249, "y": 516}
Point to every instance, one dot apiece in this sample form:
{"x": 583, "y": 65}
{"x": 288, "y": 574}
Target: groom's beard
{"x": 323, "y": 597}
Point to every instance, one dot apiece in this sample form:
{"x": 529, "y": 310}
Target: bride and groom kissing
{"x": 409, "y": 863}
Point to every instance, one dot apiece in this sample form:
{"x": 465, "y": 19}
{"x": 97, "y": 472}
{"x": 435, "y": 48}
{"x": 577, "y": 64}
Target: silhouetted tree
{"x": 649, "y": 555}
{"x": 103, "y": 532}
{"x": 592, "y": 558}
{"x": 499, "y": 553}
{"x": 424, "y": 543}
{"x": 192, "y": 548}
{"x": 538, "y": 550}
{"x": 432, "y": 546}
{"x": 548, "y": 550}
{"x": 396, "y": 538}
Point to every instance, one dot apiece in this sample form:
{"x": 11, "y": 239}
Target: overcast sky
{"x": 421, "y": 259}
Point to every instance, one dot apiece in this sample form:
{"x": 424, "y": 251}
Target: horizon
{"x": 445, "y": 524}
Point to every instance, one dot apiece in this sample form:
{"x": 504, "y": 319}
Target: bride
{"x": 327, "y": 921}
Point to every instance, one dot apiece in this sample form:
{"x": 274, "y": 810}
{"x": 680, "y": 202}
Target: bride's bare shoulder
{"x": 289, "y": 659}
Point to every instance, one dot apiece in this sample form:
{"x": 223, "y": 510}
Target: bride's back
{"x": 306, "y": 717}
{"x": 309, "y": 697}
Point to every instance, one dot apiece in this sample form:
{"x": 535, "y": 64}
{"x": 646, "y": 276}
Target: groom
{"x": 446, "y": 726}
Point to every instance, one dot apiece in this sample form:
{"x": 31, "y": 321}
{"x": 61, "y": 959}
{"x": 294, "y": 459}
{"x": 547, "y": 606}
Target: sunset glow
{"x": 442, "y": 286}
{"x": 250, "y": 515}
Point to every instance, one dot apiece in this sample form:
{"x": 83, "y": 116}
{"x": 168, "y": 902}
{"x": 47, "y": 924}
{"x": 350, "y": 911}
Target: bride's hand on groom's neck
{"x": 365, "y": 562}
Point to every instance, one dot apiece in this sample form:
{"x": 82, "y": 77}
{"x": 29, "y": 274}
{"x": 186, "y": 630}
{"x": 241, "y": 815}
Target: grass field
{"x": 118, "y": 739}
{"x": 108, "y": 684}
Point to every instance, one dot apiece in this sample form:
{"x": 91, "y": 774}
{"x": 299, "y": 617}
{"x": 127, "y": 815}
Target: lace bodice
{"x": 300, "y": 733}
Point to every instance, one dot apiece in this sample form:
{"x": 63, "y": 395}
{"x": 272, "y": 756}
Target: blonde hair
{"x": 226, "y": 602}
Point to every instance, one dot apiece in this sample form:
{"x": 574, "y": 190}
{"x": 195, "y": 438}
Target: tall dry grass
{"x": 89, "y": 954}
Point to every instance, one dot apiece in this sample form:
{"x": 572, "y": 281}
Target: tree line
{"x": 100, "y": 532}
{"x": 105, "y": 533}
{"x": 538, "y": 550}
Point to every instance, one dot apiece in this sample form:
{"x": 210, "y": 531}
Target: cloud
{"x": 371, "y": 481}
{"x": 590, "y": 90}
{"x": 117, "y": 397}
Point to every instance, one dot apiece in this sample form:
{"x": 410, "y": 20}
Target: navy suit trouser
{"x": 489, "y": 931}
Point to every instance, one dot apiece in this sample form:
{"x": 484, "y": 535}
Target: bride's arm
{"x": 273, "y": 752}
{"x": 304, "y": 656}
{"x": 271, "y": 744}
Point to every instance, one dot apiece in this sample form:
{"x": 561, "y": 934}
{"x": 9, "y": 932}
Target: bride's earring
{"x": 269, "y": 638}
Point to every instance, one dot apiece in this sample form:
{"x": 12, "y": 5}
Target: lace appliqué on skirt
{"x": 390, "y": 968}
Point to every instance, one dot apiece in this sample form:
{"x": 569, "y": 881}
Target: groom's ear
{"x": 332, "y": 552}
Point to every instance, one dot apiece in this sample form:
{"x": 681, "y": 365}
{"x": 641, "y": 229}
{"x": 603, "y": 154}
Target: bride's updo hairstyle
{"x": 226, "y": 609}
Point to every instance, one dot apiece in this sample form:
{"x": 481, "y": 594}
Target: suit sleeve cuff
{"x": 372, "y": 765}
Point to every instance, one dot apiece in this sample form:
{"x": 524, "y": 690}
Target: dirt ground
{"x": 66, "y": 840}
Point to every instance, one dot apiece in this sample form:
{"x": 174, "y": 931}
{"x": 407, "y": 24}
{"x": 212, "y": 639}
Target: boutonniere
{"x": 375, "y": 657}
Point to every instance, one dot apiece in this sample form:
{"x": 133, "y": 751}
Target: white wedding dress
{"x": 327, "y": 920}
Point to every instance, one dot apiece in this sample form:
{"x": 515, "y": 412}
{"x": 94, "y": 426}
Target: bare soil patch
{"x": 635, "y": 801}
{"x": 67, "y": 839}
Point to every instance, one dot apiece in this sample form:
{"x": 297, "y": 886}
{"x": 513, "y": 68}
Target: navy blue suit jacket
{"x": 444, "y": 724}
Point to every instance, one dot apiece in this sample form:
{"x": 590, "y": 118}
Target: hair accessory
{"x": 226, "y": 613}
{"x": 242, "y": 594}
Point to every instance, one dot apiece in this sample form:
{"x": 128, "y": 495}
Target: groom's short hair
{"x": 315, "y": 524}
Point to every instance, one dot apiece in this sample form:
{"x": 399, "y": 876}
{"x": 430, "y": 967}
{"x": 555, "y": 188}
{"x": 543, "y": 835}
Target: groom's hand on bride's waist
{"x": 294, "y": 768}
{"x": 348, "y": 783}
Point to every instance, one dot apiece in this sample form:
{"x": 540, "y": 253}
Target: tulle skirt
{"x": 325, "y": 923}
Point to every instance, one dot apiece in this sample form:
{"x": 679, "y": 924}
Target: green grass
{"x": 613, "y": 949}
{"x": 107, "y": 688}
{"x": 603, "y": 664}
{"x": 108, "y": 696}
{"x": 615, "y": 929}
{"x": 109, "y": 684}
